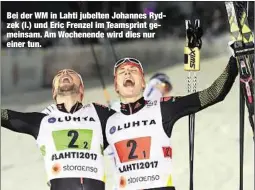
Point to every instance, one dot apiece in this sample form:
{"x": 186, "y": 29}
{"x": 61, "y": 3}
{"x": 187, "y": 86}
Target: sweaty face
{"x": 129, "y": 81}
{"x": 66, "y": 82}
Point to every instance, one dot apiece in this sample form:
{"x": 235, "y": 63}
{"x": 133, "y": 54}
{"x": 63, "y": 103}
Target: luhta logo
{"x": 132, "y": 124}
{"x": 70, "y": 118}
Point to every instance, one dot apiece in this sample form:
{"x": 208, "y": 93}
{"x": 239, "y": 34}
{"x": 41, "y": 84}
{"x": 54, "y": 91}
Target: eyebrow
{"x": 122, "y": 68}
{"x": 71, "y": 71}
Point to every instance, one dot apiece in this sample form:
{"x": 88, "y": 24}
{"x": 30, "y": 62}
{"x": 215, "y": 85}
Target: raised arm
{"x": 220, "y": 88}
{"x": 177, "y": 107}
{"x": 28, "y": 123}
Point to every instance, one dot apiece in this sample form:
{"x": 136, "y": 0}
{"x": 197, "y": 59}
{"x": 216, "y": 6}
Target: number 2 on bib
{"x": 133, "y": 149}
{"x": 72, "y": 139}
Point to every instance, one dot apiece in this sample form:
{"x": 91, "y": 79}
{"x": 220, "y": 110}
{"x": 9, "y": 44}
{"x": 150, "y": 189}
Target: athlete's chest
{"x": 86, "y": 118}
{"x": 81, "y": 129}
{"x": 143, "y": 123}
{"x": 137, "y": 138}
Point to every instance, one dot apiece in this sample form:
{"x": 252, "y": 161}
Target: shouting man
{"x": 69, "y": 135}
{"x": 140, "y": 133}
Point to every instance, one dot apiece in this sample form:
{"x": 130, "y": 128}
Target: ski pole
{"x": 113, "y": 50}
{"x": 241, "y": 139}
{"x": 244, "y": 53}
{"x": 192, "y": 64}
{"x": 106, "y": 94}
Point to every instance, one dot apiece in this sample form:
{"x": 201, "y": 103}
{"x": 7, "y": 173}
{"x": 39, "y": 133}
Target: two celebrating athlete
{"x": 72, "y": 136}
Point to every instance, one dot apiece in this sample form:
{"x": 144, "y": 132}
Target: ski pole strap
{"x": 194, "y": 33}
{"x": 247, "y": 83}
{"x": 193, "y": 45}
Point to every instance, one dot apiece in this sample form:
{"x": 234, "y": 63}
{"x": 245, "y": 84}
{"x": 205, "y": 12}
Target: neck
{"x": 130, "y": 100}
{"x": 68, "y": 101}
{"x": 132, "y": 107}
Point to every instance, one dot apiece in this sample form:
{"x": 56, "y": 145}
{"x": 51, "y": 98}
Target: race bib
{"x": 72, "y": 139}
{"x": 133, "y": 149}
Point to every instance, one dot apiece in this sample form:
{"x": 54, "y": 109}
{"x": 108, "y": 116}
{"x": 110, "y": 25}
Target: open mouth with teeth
{"x": 129, "y": 83}
{"x": 66, "y": 80}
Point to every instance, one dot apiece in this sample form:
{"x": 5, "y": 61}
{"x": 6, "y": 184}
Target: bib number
{"x": 133, "y": 149}
{"x": 74, "y": 134}
{"x": 72, "y": 139}
{"x": 133, "y": 145}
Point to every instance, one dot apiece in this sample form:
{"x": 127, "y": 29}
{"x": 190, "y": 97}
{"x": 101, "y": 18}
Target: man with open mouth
{"x": 158, "y": 86}
{"x": 140, "y": 133}
{"x": 68, "y": 133}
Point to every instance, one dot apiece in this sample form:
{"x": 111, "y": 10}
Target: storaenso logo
{"x": 192, "y": 59}
{"x": 133, "y": 124}
{"x": 70, "y": 118}
{"x": 143, "y": 179}
{"x": 80, "y": 168}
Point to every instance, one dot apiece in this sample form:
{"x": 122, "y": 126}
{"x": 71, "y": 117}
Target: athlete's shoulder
{"x": 96, "y": 104}
{"x": 102, "y": 107}
{"x": 170, "y": 98}
{"x": 103, "y": 111}
{"x": 50, "y": 109}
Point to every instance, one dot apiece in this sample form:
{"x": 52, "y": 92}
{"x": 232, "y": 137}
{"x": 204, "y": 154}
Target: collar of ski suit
{"x": 74, "y": 108}
{"x": 133, "y": 107}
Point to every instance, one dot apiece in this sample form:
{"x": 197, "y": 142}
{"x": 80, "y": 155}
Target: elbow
{"x": 221, "y": 97}
{"x": 223, "y": 94}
